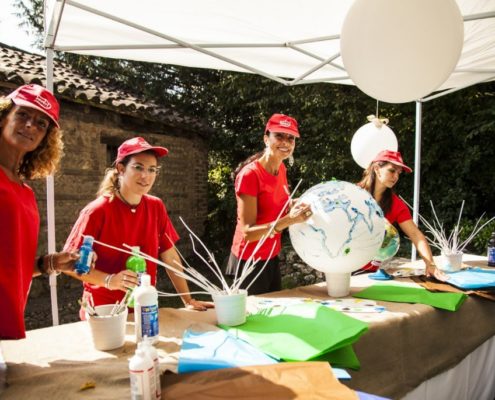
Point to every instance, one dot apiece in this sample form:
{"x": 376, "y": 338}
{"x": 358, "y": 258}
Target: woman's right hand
{"x": 300, "y": 212}
{"x": 123, "y": 280}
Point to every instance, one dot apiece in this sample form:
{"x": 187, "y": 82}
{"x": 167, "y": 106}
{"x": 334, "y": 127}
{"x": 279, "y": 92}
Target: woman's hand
{"x": 300, "y": 212}
{"x": 123, "y": 280}
{"x": 199, "y": 305}
{"x": 431, "y": 270}
{"x": 63, "y": 261}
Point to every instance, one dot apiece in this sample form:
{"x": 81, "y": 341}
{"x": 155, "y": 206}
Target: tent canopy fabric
{"x": 293, "y": 42}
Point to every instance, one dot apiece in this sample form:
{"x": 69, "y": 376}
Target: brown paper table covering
{"x": 405, "y": 345}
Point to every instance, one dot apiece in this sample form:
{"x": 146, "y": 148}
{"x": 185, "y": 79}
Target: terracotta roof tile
{"x": 18, "y": 67}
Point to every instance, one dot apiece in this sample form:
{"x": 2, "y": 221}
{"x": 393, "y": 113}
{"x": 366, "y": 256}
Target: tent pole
{"x": 50, "y": 190}
{"x": 417, "y": 169}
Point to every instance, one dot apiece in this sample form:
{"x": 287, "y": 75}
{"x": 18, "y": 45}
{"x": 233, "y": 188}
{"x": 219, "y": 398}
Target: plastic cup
{"x": 338, "y": 285}
{"x": 451, "y": 262}
{"x": 231, "y": 308}
{"x": 107, "y": 331}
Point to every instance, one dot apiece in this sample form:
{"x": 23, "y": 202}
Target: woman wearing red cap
{"x": 124, "y": 212}
{"x": 262, "y": 192}
{"x": 379, "y": 179}
{"x": 30, "y": 148}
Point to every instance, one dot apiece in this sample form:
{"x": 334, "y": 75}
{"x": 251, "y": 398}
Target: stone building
{"x": 96, "y": 117}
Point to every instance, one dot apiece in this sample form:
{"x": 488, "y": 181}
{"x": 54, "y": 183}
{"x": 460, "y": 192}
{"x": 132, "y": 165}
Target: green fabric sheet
{"x": 405, "y": 294}
{"x": 303, "y": 332}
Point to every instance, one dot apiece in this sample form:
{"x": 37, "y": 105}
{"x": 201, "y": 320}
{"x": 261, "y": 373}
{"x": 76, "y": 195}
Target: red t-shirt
{"x": 18, "y": 242}
{"x": 112, "y": 222}
{"x": 399, "y": 212}
{"x": 272, "y": 193}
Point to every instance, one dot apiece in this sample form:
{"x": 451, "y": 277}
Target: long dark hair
{"x": 368, "y": 182}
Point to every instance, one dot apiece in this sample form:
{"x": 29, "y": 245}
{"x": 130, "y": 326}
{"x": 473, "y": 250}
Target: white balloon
{"x": 369, "y": 140}
{"x": 344, "y": 232}
{"x": 401, "y": 50}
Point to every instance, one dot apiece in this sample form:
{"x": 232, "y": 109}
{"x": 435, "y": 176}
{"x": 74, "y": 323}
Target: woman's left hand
{"x": 199, "y": 305}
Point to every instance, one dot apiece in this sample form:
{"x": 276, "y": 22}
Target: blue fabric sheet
{"x": 214, "y": 350}
{"x": 475, "y": 278}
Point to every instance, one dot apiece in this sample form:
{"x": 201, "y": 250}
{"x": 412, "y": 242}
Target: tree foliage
{"x": 458, "y": 130}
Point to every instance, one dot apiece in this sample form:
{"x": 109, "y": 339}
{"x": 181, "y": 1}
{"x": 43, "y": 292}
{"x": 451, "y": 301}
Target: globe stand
{"x": 338, "y": 285}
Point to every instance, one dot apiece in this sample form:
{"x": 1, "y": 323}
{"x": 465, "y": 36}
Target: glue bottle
{"x": 491, "y": 251}
{"x": 142, "y": 375}
{"x": 83, "y": 264}
{"x": 146, "y": 310}
{"x": 151, "y": 352}
{"x": 138, "y": 265}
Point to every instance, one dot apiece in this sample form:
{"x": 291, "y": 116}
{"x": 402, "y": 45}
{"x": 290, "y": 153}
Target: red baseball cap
{"x": 37, "y": 97}
{"x": 393, "y": 157}
{"x": 282, "y": 123}
{"x": 138, "y": 145}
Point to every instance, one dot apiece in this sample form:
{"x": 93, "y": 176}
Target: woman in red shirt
{"x": 379, "y": 179}
{"x": 30, "y": 148}
{"x": 124, "y": 212}
{"x": 262, "y": 192}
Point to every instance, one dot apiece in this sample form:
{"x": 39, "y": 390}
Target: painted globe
{"x": 345, "y": 231}
{"x": 390, "y": 245}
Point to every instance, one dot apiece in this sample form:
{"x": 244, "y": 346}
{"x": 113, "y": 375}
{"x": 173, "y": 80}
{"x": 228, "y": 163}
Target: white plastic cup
{"x": 231, "y": 308}
{"x": 451, "y": 262}
{"x": 338, "y": 285}
{"x": 108, "y": 331}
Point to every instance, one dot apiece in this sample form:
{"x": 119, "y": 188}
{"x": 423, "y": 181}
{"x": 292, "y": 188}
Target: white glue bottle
{"x": 151, "y": 352}
{"x": 146, "y": 310}
{"x": 142, "y": 375}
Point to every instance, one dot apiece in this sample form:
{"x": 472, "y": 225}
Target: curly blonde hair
{"x": 45, "y": 159}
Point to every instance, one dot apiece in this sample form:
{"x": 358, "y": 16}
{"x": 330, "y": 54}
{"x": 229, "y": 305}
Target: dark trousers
{"x": 269, "y": 280}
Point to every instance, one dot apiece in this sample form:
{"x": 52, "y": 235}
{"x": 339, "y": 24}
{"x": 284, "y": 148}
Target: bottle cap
{"x": 145, "y": 280}
{"x": 88, "y": 239}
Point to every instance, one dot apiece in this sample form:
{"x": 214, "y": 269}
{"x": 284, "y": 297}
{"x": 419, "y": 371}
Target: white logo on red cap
{"x": 286, "y": 123}
{"x": 42, "y": 102}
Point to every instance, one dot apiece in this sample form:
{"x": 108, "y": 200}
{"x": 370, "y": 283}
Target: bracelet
{"x": 51, "y": 270}
{"x": 276, "y": 230}
{"x": 108, "y": 278}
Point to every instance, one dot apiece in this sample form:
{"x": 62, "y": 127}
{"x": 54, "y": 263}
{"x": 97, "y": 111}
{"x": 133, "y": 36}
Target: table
{"x": 406, "y": 345}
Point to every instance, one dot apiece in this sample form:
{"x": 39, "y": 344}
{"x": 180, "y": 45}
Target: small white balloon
{"x": 400, "y": 51}
{"x": 369, "y": 140}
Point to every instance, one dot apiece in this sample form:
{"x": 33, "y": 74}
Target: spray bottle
{"x": 142, "y": 375}
{"x": 151, "y": 352}
{"x": 146, "y": 310}
{"x": 138, "y": 265}
{"x": 83, "y": 264}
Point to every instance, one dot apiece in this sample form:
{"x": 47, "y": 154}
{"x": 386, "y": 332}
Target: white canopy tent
{"x": 293, "y": 42}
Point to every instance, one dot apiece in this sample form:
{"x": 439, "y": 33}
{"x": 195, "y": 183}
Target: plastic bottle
{"x": 138, "y": 265}
{"x": 491, "y": 251}
{"x": 151, "y": 352}
{"x": 83, "y": 264}
{"x": 142, "y": 375}
{"x": 146, "y": 310}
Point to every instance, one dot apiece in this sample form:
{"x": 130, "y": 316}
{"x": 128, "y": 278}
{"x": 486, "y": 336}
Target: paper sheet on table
{"x": 405, "y": 294}
{"x": 471, "y": 279}
{"x": 345, "y": 305}
{"x": 203, "y": 351}
{"x": 299, "y": 332}
{"x": 298, "y": 380}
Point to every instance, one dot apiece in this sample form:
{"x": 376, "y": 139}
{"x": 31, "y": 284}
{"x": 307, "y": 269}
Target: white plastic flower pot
{"x": 451, "y": 262}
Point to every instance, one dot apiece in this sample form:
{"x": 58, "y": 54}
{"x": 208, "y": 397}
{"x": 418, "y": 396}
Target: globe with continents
{"x": 390, "y": 245}
{"x": 345, "y": 231}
